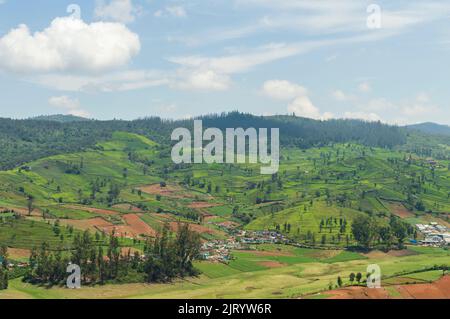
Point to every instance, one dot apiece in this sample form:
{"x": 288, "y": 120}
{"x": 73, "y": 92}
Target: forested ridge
{"x": 22, "y": 141}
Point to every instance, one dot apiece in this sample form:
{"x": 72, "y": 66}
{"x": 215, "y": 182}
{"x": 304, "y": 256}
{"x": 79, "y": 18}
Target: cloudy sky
{"x": 179, "y": 58}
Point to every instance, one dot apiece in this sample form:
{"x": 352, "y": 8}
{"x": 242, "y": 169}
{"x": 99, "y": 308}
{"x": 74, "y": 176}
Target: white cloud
{"x": 364, "y": 87}
{"x": 404, "y": 111}
{"x": 301, "y": 104}
{"x": 68, "y": 44}
{"x": 70, "y": 105}
{"x": 202, "y": 80}
{"x": 117, "y": 10}
{"x": 283, "y": 90}
{"x": 341, "y": 96}
{"x": 421, "y": 105}
{"x": 110, "y": 82}
{"x": 172, "y": 11}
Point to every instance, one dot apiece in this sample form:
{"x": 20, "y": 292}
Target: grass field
{"x": 221, "y": 281}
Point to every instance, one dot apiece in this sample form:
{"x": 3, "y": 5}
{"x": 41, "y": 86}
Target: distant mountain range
{"x": 431, "y": 128}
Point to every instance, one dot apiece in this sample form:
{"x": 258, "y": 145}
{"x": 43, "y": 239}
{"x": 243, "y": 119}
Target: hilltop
{"x": 431, "y": 128}
{"x": 60, "y": 118}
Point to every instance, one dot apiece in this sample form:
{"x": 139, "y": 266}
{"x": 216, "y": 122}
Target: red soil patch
{"x": 168, "y": 191}
{"x": 271, "y": 264}
{"x": 92, "y": 224}
{"x": 437, "y": 290}
{"x": 93, "y": 210}
{"x": 134, "y": 228}
{"x": 197, "y": 205}
{"x": 359, "y": 293}
{"x": 400, "y": 210}
{"x": 138, "y": 225}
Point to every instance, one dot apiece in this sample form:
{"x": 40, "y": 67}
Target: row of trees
{"x": 368, "y": 231}
{"x": 165, "y": 257}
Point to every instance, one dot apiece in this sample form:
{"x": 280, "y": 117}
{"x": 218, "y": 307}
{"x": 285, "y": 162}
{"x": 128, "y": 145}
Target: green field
{"x": 313, "y": 201}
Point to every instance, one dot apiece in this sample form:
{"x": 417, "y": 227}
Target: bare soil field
{"x": 437, "y": 290}
{"x": 400, "y": 210}
{"x": 138, "y": 226}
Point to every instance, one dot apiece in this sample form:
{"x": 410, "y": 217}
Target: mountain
{"x": 22, "y": 141}
{"x": 431, "y": 128}
{"x": 61, "y": 118}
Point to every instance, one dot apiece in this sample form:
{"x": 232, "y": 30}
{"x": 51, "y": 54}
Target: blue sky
{"x": 135, "y": 58}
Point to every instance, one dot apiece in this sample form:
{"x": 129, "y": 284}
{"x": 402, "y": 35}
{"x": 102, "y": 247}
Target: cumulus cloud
{"x": 301, "y": 104}
{"x": 68, "y": 44}
{"x": 283, "y": 90}
{"x": 117, "y": 10}
{"x": 202, "y": 80}
{"x": 70, "y": 105}
{"x": 341, "y": 96}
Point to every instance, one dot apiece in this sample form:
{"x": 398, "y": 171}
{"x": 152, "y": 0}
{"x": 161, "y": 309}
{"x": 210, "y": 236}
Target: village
{"x": 435, "y": 235}
{"x": 220, "y": 250}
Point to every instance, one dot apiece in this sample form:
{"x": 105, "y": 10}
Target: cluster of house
{"x": 435, "y": 234}
{"x": 220, "y": 250}
{"x": 263, "y": 237}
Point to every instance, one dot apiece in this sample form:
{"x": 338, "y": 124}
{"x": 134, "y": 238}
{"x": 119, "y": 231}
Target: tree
{"x": 363, "y": 230}
{"x": 339, "y": 281}
{"x": 358, "y": 277}
{"x": 30, "y": 201}
{"x": 400, "y": 230}
{"x": 352, "y": 277}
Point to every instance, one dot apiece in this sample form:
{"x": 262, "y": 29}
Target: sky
{"x": 322, "y": 59}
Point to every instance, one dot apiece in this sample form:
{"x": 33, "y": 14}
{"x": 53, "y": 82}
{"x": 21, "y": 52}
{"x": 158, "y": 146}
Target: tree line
{"x": 22, "y": 141}
{"x": 370, "y": 231}
{"x": 165, "y": 257}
